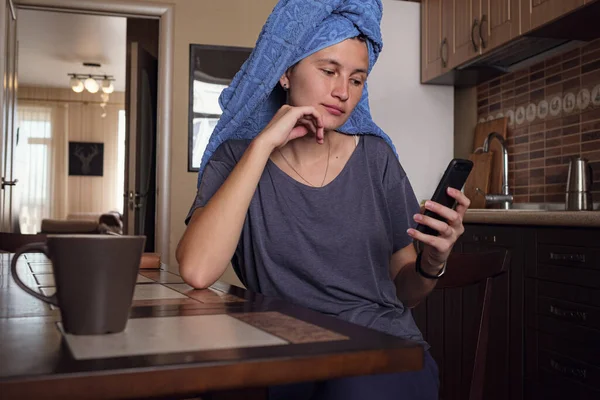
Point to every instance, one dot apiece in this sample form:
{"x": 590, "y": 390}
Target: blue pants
{"x": 418, "y": 385}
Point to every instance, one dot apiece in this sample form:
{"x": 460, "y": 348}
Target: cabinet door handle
{"x": 575, "y": 372}
{"x": 444, "y": 45}
{"x": 485, "y": 238}
{"x": 576, "y": 315}
{"x": 577, "y": 257}
{"x": 475, "y": 23}
{"x": 483, "y": 19}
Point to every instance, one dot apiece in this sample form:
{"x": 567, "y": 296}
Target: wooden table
{"x": 36, "y": 360}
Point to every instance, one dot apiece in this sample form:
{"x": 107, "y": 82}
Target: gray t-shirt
{"x": 326, "y": 248}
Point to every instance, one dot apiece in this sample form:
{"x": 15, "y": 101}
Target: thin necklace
{"x": 298, "y": 173}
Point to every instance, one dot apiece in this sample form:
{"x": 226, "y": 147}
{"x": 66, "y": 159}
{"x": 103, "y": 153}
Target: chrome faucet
{"x": 505, "y": 198}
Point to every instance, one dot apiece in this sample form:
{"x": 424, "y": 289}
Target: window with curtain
{"x": 207, "y": 112}
{"x": 33, "y": 161}
{"x": 211, "y": 70}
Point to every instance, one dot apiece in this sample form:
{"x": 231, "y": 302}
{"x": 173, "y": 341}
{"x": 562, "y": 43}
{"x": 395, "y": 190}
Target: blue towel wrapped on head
{"x": 294, "y": 30}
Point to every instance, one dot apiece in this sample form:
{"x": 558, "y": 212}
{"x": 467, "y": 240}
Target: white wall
{"x": 418, "y": 118}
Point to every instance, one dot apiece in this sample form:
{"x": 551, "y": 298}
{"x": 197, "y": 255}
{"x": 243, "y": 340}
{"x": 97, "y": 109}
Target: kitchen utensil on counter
{"x": 482, "y": 131}
{"x": 579, "y": 185}
{"x": 479, "y": 179}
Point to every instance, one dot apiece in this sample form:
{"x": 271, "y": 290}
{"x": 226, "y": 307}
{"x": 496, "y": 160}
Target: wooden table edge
{"x": 176, "y": 380}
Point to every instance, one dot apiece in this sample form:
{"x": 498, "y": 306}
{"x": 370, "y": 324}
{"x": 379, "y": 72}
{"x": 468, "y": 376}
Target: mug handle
{"x": 31, "y": 248}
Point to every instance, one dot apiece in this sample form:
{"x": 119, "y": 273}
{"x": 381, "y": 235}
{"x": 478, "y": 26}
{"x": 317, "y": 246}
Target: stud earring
{"x": 285, "y": 87}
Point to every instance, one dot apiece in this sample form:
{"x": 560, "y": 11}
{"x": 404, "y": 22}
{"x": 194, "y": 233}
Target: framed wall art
{"x": 86, "y": 159}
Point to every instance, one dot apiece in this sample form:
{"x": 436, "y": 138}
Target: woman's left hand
{"x": 438, "y": 248}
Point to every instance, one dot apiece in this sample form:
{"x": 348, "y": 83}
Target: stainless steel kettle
{"x": 579, "y": 185}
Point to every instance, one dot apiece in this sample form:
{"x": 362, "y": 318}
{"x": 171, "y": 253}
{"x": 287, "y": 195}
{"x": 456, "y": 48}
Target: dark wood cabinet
{"x": 562, "y": 314}
{"x": 535, "y": 13}
{"x": 465, "y": 41}
{"x": 456, "y": 32}
{"x": 500, "y": 22}
{"x": 435, "y": 36}
{"x": 545, "y": 332}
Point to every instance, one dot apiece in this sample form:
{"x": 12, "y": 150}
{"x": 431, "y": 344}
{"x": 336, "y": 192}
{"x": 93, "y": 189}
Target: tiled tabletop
{"x": 179, "y": 342}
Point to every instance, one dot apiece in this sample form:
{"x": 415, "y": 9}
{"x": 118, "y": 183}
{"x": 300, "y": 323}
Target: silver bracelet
{"x": 421, "y": 272}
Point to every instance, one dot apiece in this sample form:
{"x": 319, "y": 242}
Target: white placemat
{"x": 160, "y": 335}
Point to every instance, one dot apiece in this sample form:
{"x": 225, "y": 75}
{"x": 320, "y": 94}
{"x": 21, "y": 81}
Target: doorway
{"x": 164, "y": 14}
{"x": 70, "y": 152}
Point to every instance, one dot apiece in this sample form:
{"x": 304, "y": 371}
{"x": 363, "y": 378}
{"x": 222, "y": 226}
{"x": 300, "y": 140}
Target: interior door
{"x": 8, "y": 99}
{"x": 140, "y": 207}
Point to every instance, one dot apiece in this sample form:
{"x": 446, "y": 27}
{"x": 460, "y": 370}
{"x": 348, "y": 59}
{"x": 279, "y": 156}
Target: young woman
{"x": 319, "y": 217}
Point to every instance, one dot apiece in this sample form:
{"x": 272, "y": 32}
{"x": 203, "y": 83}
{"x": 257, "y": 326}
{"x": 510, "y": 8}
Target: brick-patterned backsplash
{"x": 553, "y": 111}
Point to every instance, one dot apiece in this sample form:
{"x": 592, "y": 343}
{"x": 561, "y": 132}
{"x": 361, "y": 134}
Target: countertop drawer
{"x": 566, "y": 367}
{"x": 577, "y": 237}
{"x": 569, "y": 368}
{"x": 581, "y": 337}
{"x": 548, "y": 386}
{"x": 570, "y": 348}
{"x": 570, "y": 312}
{"x": 570, "y": 293}
{"x": 569, "y": 256}
{"x": 494, "y": 235}
{"x": 568, "y": 275}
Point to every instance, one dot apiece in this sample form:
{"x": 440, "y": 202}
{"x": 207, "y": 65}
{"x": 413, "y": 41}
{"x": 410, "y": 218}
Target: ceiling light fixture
{"x": 91, "y": 82}
{"x": 76, "y": 84}
{"x": 91, "y": 85}
{"x": 107, "y": 86}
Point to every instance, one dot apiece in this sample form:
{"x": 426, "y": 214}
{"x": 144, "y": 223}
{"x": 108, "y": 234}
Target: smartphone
{"x": 455, "y": 177}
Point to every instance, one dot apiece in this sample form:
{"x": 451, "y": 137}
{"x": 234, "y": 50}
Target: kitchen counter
{"x": 590, "y": 219}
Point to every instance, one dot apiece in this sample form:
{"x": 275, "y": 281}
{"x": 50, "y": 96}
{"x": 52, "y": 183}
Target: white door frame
{"x": 140, "y": 9}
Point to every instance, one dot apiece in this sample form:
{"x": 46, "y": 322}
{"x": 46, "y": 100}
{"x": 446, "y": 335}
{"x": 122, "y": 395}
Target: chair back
{"x": 465, "y": 292}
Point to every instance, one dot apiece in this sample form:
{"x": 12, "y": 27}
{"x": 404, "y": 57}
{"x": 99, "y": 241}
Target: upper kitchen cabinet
{"x": 435, "y": 38}
{"x": 465, "y": 26}
{"x": 465, "y": 42}
{"x": 500, "y": 22}
{"x": 535, "y": 13}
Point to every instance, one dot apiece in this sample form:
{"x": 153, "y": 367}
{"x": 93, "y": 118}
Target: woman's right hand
{"x": 290, "y": 123}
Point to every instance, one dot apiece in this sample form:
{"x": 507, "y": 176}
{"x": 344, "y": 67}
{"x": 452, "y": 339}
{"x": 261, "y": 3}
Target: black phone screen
{"x": 455, "y": 176}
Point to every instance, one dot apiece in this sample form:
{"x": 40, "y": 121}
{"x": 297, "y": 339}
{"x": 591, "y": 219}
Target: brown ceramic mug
{"x": 95, "y": 277}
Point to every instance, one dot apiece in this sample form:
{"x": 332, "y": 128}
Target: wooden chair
{"x": 10, "y": 242}
{"x": 474, "y": 270}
